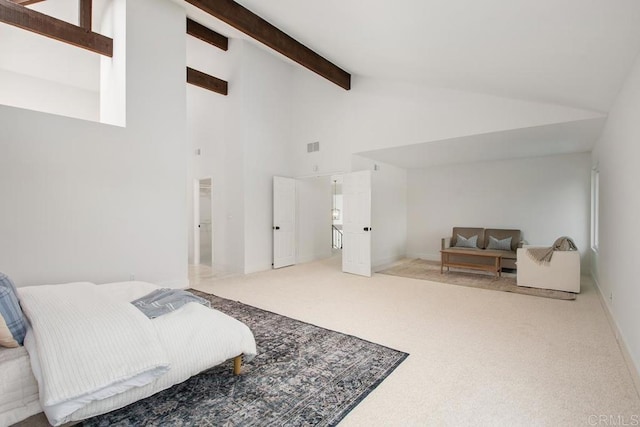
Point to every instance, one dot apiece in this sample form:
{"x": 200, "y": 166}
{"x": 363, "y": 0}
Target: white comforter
{"x": 192, "y": 339}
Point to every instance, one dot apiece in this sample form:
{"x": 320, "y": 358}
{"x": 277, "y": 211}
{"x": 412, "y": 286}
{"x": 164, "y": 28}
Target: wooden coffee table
{"x": 496, "y": 267}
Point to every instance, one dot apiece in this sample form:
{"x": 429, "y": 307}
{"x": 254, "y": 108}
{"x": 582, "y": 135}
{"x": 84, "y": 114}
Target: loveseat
{"x": 482, "y": 239}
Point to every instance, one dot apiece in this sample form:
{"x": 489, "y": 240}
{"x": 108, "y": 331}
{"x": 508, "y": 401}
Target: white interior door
{"x": 284, "y": 221}
{"x": 356, "y": 226}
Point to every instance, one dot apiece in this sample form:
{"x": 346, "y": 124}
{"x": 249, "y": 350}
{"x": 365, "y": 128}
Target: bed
{"x": 18, "y": 388}
{"x": 81, "y": 335}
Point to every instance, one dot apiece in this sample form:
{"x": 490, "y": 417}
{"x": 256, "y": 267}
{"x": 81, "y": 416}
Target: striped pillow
{"x": 463, "y": 242}
{"x": 500, "y": 245}
{"x": 10, "y": 309}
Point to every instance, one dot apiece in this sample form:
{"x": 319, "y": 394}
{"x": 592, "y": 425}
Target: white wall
{"x": 388, "y": 211}
{"x": 381, "y": 114}
{"x": 88, "y": 201}
{"x": 113, "y": 71}
{"x": 243, "y": 140}
{"x": 378, "y": 114}
{"x": 313, "y": 214}
{"x": 616, "y": 156}
{"x": 545, "y": 197}
{"x": 22, "y": 91}
{"x": 212, "y": 128}
{"x": 266, "y": 125}
{"x": 274, "y": 109}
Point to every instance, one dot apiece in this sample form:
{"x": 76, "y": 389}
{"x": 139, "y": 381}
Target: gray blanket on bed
{"x": 163, "y": 301}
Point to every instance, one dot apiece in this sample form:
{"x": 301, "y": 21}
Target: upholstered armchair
{"x": 562, "y": 273}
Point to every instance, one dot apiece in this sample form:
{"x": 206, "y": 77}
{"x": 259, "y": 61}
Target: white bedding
{"x": 194, "y": 338}
{"x": 18, "y": 387}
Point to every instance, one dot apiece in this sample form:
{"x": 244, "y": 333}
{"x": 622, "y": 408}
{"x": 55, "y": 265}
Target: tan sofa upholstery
{"x": 509, "y": 257}
{"x": 562, "y": 273}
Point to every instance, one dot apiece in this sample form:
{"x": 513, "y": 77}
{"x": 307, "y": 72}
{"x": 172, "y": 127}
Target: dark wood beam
{"x": 251, "y": 24}
{"x": 26, "y": 2}
{"x": 214, "y": 84}
{"x": 205, "y": 34}
{"x": 30, "y": 20}
{"x": 86, "y": 14}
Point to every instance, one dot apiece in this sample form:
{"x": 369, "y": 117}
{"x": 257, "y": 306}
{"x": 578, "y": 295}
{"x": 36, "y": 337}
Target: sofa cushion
{"x": 501, "y": 234}
{"x": 499, "y": 245}
{"x": 462, "y": 242}
{"x": 468, "y": 232}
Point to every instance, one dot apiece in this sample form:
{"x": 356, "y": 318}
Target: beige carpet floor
{"x": 477, "y": 357}
{"x": 430, "y": 270}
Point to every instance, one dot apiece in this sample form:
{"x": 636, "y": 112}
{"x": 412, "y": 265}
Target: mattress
{"x": 18, "y": 387}
{"x": 195, "y": 338}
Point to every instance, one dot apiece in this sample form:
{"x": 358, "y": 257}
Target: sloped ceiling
{"x": 573, "y": 53}
{"x": 562, "y": 138}
{"x": 568, "y": 52}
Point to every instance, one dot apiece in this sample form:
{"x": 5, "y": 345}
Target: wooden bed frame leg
{"x": 237, "y": 365}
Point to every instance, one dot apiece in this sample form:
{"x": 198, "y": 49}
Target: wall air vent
{"x": 313, "y": 146}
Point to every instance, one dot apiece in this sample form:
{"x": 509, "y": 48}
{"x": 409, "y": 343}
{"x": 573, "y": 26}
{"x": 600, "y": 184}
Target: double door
{"x": 356, "y": 243}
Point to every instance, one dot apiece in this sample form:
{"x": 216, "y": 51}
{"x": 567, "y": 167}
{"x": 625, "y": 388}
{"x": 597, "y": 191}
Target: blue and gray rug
{"x": 303, "y": 375}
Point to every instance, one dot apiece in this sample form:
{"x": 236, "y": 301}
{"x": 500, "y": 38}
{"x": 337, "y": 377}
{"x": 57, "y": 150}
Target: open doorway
{"x": 337, "y": 212}
{"x": 336, "y": 204}
{"x": 203, "y": 232}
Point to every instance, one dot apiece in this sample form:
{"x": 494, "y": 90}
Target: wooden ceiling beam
{"x": 86, "y": 14}
{"x": 214, "y": 84}
{"x": 254, "y": 26}
{"x": 31, "y": 20}
{"x": 207, "y": 35}
{"x": 26, "y": 2}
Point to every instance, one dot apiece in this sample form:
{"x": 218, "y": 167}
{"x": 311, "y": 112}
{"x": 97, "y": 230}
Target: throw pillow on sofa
{"x": 463, "y": 242}
{"x": 499, "y": 245}
{"x": 10, "y": 309}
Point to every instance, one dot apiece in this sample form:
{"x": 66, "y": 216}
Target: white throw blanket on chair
{"x": 89, "y": 346}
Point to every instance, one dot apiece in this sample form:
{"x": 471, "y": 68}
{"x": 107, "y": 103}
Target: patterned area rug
{"x": 303, "y": 375}
{"x": 430, "y": 270}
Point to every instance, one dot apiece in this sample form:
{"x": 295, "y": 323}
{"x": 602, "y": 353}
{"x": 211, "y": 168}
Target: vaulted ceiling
{"x": 568, "y": 52}
{"x": 573, "y": 53}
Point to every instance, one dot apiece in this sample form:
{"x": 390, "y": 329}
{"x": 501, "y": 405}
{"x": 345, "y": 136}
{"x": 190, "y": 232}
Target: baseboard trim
{"x": 175, "y": 284}
{"x": 256, "y": 268}
{"x": 429, "y": 256}
{"x": 384, "y": 264}
{"x": 624, "y": 349}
